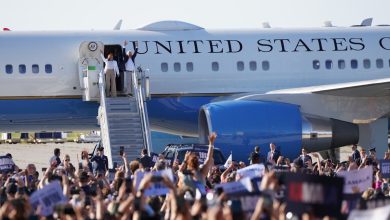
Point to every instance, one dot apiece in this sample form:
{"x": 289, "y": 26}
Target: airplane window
{"x": 177, "y": 67}
{"x": 215, "y": 66}
{"x": 328, "y": 64}
{"x": 22, "y": 68}
{"x": 9, "y": 69}
{"x": 316, "y": 64}
{"x": 265, "y": 65}
{"x": 354, "y": 64}
{"x": 35, "y": 68}
{"x": 164, "y": 67}
{"x": 366, "y": 63}
{"x": 253, "y": 65}
{"x": 341, "y": 64}
{"x": 240, "y": 66}
{"x": 48, "y": 68}
{"x": 379, "y": 63}
{"x": 190, "y": 66}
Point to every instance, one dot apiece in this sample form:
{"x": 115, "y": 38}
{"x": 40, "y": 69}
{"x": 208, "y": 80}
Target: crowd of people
{"x": 192, "y": 191}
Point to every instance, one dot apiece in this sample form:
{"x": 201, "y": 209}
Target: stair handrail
{"x": 138, "y": 81}
{"x": 104, "y": 127}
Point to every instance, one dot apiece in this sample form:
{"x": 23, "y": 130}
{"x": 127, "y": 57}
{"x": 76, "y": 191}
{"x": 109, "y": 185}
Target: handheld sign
{"x": 6, "y": 164}
{"x": 382, "y": 213}
{"x": 156, "y": 188}
{"x": 357, "y": 179}
{"x": 238, "y": 187}
{"x": 385, "y": 168}
{"x": 47, "y": 197}
{"x": 254, "y": 170}
{"x": 321, "y": 195}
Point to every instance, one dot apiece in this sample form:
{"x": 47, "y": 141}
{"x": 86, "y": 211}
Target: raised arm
{"x": 126, "y": 163}
{"x": 102, "y": 56}
{"x": 210, "y": 155}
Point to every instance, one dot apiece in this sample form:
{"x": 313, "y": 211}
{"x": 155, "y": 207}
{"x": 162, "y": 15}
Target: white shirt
{"x": 130, "y": 66}
{"x": 110, "y": 65}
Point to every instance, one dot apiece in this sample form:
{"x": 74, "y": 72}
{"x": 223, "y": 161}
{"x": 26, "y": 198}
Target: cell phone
{"x": 121, "y": 150}
{"x": 156, "y": 178}
{"x": 137, "y": 204}
{"x": 44, "y": 169}
{"x": 129, "y": 185}
{"x": 92, "y": 190}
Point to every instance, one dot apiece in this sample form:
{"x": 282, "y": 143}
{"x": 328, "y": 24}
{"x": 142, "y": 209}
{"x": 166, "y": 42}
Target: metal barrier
{"x": 140, "y": 85}
{"x": 105, "y": 134}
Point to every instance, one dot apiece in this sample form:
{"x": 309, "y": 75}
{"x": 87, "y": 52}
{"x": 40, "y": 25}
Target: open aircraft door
{"x": 90, "y": 65}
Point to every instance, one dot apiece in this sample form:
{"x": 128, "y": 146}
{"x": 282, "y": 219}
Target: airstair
{"x": 123, "y": 120}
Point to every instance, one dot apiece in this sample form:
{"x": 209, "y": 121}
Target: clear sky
{"x": 98, "y": 14}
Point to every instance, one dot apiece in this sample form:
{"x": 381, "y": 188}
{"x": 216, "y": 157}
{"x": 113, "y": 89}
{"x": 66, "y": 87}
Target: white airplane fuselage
{"x": 187, "y": 68}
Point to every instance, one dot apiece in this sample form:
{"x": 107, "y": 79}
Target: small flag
{"x": 229, "y": 161}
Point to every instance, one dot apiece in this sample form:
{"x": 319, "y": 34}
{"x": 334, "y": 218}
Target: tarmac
{"x": 39, "y": 154}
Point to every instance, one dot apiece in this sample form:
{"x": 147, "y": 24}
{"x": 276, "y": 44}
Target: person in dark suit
{"x": 273, "y": 154}
{"x": 304, "y": 157}
{"x": 100, "y": 162}
{"x": 129, "y": 61}
{"x": 355, "y": 154}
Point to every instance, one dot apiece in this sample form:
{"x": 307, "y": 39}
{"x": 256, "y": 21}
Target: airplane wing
{"x": 369, "y": 88}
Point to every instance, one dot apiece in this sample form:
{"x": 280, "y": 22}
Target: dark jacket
{"x": 274, "y": 157}
{"x": 100, "y": 163}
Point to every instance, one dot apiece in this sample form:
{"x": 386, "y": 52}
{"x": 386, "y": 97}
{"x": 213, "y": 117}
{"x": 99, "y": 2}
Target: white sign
{"x": 47, "y": 197}
{"x": 6, "y": 163}
{"x": 244, "y": 185}
{"x": 382, "y": 213}
{"x": 356, "y": 179}
{"x": 156, "y": 188}
{"x": 254, "y": 170}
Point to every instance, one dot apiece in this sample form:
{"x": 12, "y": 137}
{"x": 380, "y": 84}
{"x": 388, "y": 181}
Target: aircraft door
{"x": 90, "y": 65}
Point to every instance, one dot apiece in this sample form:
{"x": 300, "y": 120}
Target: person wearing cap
{"x": 129, "y": 60}
{"x": 100, "y": 162}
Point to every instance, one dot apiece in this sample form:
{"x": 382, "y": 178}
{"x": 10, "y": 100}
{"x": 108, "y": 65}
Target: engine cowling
{"x": 242, "y": 124}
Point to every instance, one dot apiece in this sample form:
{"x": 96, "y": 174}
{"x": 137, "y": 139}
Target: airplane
{"x": 320, "y": 88}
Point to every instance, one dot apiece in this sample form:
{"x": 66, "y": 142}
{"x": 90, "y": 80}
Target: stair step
{"x": 132, "y": 126}
{"x": 127, "y": 142}
{"x": 128, "y": 115}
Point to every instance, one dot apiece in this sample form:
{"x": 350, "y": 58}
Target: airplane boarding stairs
{"x": 124, "y": 122}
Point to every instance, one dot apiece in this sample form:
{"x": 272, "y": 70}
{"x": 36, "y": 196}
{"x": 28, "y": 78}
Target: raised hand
{"x": 212, "y": 138}
{"x": 186, "y": 156}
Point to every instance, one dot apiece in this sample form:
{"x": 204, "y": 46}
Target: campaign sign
{"x": 254, "y": 170}
{"x": 357, "y": 179}
{"x": 156, "y": 188}
{"x": 321, "y": 195}
{"x": 382, "y": 213}
{"x": 155, "y": 157}
{"x": 385, "y": 168}
{"x": 238, "y": 187}
{"x": 47, "y": 197}
{"x": 6, "y": 164}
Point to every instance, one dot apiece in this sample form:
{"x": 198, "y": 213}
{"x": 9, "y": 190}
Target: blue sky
{"x": 98, "y": 14}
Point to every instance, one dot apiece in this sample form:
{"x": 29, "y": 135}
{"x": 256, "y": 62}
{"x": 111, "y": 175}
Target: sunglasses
{"x": 67, "y": 159}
